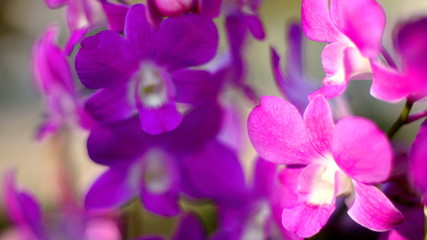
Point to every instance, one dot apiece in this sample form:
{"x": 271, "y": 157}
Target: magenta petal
{"x": 110, "y": 104}
{"x": 159, "y": 120}
{"x": 372, "y": 209}
{"x": 110, "y": 190}
{"x": 390, "y": 85}
{"x": 21, "y": 206}
{"x": 335, "y": 68}
{"x": 362, "y": 150}
{"x": 75, "y": 38}
{"x": 306, "y": 220}
{"x": 185, "y": 41}
{"x": 190, "y": 227}
{"x": 50, "y": 65}
{"x": 105, "y": 60}
{"x": 418, "y": 159}
{"x": 278, "y": 133}
{"x": 317, "y": 23}
{"x": 139, "y": 32}
{"x": 319, "y": 123}
{"x": 362, "y": 21}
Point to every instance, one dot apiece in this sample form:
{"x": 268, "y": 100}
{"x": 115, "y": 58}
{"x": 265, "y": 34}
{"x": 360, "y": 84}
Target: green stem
{"x": 401, "y": 120}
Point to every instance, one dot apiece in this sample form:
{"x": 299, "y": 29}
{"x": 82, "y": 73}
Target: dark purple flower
{"x": 158, "y": 168}
{"x": 144, "y": 71}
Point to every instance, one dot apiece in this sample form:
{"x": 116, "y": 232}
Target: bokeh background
{"x": 22, "y": 21}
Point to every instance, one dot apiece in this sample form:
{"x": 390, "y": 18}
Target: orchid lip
{"x": 155, "y": 172}
{"x": 151, "y": 86}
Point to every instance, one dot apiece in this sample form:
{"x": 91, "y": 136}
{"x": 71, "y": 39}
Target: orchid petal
{"x": 278, "y": 133}
{"x": 362, "y": 150}
{"x": 362, "y": 21}
{"x": 185, "y": 41}
{"x": 372, "y": 209}
{"x": 190, "y": 227}
{"x": 118, "y": 143}
{"x": 116, "y": 15}
{"x": 193, "y": 86}
{"x": 110, "y": 190}
{"x": 317, "y": 23}
{"x": 306, "y": 219}
{"x": 319, "y": 123}
{"x": 161, "y": 183}
{"x": 390, "y": 85}
{"x": 159, "y": 120}
{"x": 139, "y": 32}
{"x": 110, "y": 104}
{"x": 216, "y": 173}
{"x": 105, "y": 60}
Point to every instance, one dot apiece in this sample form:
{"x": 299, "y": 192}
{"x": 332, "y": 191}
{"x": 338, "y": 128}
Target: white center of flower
{"x": 151, "y": 87}
{"x": 329, "y": 182}
{"x": 156, "y": 174}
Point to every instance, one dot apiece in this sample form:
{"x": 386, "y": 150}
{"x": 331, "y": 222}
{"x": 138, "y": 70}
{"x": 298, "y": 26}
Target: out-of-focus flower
{"x": 158, "y": 168}
{"x": 30, "y": 224}
{"x": 53, "y": 78}
{"x": 345, "y": 159}
{"x": 159, "y": 9}
{"x": 145, "y": 70}
{"x": 81, "y": 14}
{"x": 257, "y": 217}
{"x": 411, "y": 44}
{"x": 418, "y": 161}
{"x": 354, "y": 30}
{"x": 294, "y": 84}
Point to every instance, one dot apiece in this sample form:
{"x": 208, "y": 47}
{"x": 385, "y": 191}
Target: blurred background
{"x": 22, "y": 21}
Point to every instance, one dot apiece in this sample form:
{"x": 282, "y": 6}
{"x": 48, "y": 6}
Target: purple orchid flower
{"x": 410, "y": 42}
{"x": 188, "y": 159}
{"x": 345, "y": 159}
{"x": 354, "y": 30}
{"x": 26, "y": 213}
{"x": 294, "y": 85}
{"x": 144, "y": 71}
{"x": 189, "y": 227}
{"x": 55, "y": 81}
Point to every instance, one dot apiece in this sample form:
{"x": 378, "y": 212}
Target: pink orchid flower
{"x": 354, "y": 30}
{"x": 343, "y": 159}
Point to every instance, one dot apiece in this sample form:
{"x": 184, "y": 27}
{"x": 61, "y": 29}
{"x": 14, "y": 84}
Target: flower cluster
{"x": 162, "y": 105}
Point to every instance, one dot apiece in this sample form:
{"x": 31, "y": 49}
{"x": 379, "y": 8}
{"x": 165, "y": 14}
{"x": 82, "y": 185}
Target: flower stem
{"x": 417, "y": 116}
{"x": 401, "y": 120}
